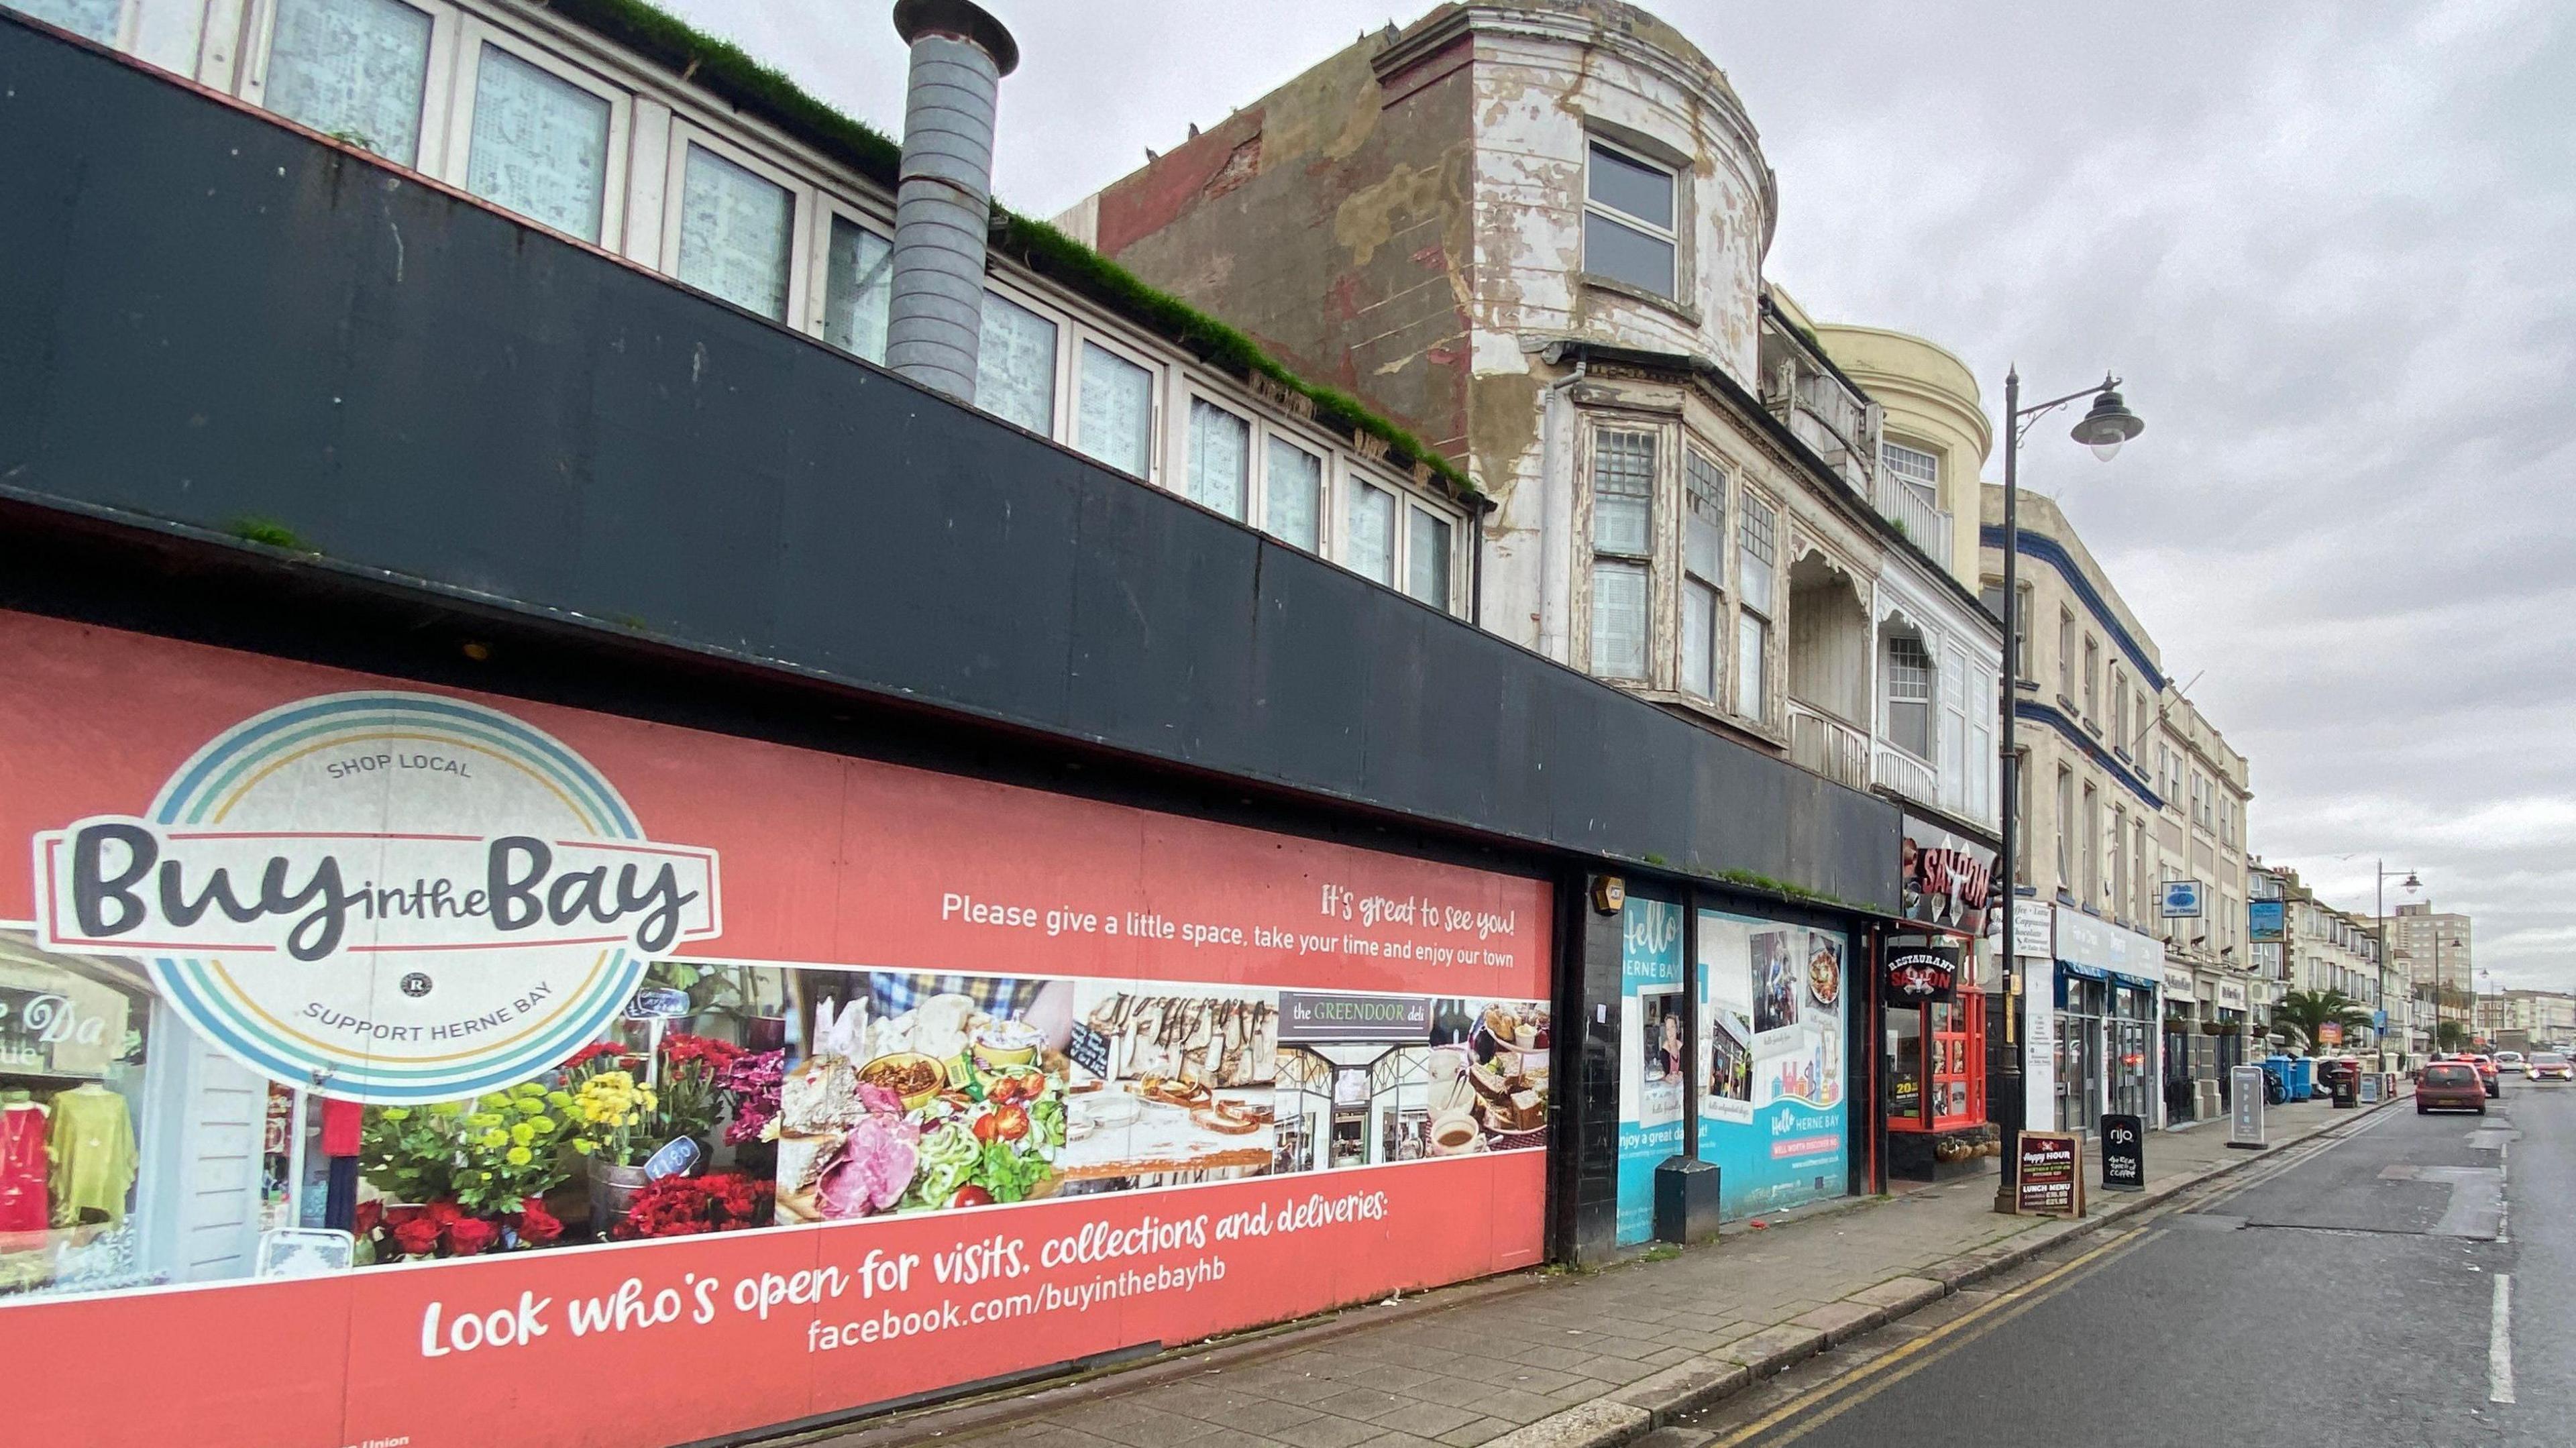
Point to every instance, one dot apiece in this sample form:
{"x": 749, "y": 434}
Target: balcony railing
{"x": 1828, "y": 746}
{"x": 1907, "y": 776}
{"x": 1914, "y": 515}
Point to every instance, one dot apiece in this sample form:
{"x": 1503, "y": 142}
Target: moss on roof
{"x": 730, "y": 74}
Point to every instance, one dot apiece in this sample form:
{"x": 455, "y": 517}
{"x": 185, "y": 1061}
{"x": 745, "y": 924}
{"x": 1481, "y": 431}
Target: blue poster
{"x": 1774, "y": 1091}
{"x": 1652, "y": 1056}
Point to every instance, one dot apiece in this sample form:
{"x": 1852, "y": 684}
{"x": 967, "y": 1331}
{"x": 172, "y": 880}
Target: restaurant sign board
{"x": 2050, "y": 1182}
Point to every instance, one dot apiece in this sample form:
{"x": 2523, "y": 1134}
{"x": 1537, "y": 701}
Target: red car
{"x": 2486, "y": 1073}
{"x": 2450, "y": 1086}
{"x": 2551, "y": 1066}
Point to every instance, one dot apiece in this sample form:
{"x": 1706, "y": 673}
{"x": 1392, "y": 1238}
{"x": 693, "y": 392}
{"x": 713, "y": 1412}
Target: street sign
{"x": 1922, "y": 974}
{"x": 2181, "y": 899}
{"x": 2124, "y": 1153}
{"x": 2245, "y": 1119}
{"x": 2330, "y": 1033}
{"x": 2050, "y": 1182}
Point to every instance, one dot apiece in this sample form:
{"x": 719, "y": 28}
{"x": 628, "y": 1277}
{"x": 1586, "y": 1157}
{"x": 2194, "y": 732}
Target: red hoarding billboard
{"x": 380, "y": 1045}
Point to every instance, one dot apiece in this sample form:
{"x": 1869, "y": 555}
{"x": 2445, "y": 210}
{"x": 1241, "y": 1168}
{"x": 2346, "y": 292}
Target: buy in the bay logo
{"x": 383, "y": 896}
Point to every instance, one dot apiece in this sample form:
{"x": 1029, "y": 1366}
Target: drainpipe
{"x": 1556, "y": 492}
{"x": 944, "y": 191}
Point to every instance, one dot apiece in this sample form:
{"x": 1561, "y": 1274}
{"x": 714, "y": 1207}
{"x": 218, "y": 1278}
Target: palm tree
{"x": 2450, "y": 1036}
{"x": 2306, "y": 1013}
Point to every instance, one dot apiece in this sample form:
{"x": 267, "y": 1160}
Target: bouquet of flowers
{"x": 687, "y": 1206}
{"x": 693, "y": 1095}
{"x": 443, "y": 1229}
{"x": 486, "y": 1155}
{"x": 616, "y": 1118}
{"x": 754, "y": 1081}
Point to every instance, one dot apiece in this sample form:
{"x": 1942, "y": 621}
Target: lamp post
{"x": 2379, "y": 891}
{"x": 2103, "y": 429}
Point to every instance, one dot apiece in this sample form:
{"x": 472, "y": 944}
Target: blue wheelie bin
{"x": 2303, "y": 1078}
{"x": 2278, "y": 1068}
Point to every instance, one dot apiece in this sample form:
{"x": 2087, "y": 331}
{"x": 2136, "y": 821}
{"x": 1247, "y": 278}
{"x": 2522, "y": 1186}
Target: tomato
{"x": 1010, "y": 1122}
{"x": 970, "y": 1196}
{"x": 1018, "y": 1086}
{"x": 988, "y": 1125}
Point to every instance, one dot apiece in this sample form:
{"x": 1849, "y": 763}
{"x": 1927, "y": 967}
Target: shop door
{"x": 2131, "y": 1066}
{"x": 2079, "y": 1073}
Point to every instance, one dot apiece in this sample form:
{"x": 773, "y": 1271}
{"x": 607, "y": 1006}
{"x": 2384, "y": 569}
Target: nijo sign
{"x": 1922, "y": 974}
{"x": 390, "y": 897}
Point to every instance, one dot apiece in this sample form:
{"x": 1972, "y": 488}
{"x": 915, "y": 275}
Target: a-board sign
{"x": 2245, "y": 1115}
{"x": 2124, "y": 1153}
{"x": 2050, "y": 1182}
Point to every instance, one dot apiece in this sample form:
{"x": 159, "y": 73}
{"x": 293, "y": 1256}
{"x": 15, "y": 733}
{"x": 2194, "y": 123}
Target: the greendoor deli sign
{"x": 384, "y": 896}
{"x": 1311, "y": 1017}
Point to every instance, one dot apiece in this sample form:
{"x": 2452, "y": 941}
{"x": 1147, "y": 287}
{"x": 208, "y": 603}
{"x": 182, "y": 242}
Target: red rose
{"x": 371, "y": 1215}
{"x": 444, "y": 1212}
{"x": 417, "y": 1237}
{"x": 470, "y": 1237}
{"x": 537, "y": 1226}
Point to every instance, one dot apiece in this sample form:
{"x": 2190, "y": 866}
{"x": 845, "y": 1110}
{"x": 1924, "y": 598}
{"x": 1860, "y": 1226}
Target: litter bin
{"x": 2347, "y": 1090}
{"x": 1686, "y": 1200}
{"x": 2278, "y": 1068}
{"x": 2303, "y": 1078}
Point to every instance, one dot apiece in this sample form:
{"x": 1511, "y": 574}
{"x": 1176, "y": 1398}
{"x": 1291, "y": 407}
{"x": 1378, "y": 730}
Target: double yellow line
{"x": 1812, "y": 1408}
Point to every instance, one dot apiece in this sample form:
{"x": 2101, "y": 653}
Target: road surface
{"x": 2407, "y": 1284}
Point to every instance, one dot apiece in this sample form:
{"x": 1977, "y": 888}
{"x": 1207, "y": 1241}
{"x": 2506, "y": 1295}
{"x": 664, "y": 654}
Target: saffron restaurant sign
{"x": 443, "y": 907}
{"x": 1921, "y": 974}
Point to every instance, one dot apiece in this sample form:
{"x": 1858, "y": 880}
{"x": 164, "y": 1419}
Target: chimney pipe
{"x": 943, "y": 196}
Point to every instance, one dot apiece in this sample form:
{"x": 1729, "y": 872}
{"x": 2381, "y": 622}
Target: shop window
{"x": 1369, "y": 538}
{"x": 1628, "y": 221}
{"x": 74, "y": 1034}
{"x": 1114, "y": 411}
{"x": 1427, "y": 559}
{"x": 355, "y": 69}
{"x": 1015, "y": 365}
{"x": 737, "y": 233}
{"x": 858, "y": 289}
{"x": 1295, "y": 483}
{"x": 97, "y": 19}
{"x": 1703, "y": 573}
{"x": 1220, "y": 472}
{"x": 1755, "y": 582}
{"x": 539, "y": 144}
{"x": 1623, "y": 512}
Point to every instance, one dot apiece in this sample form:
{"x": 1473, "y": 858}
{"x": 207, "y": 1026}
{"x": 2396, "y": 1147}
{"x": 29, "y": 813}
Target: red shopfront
{"x": 1934, "y": 1023}
{"x": 973, "y": 1079}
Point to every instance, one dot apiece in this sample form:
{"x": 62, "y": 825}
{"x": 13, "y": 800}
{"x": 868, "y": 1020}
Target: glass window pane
{"x": 1296, "y": 489}
{"x": 1644, "y": 192}
{"x": 1704, "y": 517}
{"x": 1115, "y": 422}
{"x": 1428, "y": 564}
{"x": 858, "y": 285}
{"x": 354, "y": 69}
{"x": 1015, "y": 366}
{"x": 1624, "y": 254}
{"x": 1370, "y": 549}
{"x": 1699, "y": 639}
{"x": 1752, "y": 677}
{"x": 93, "y": 18}
{"x": 540, "y": 145}
{"x": 1755, "y": 549}
{"x": 736, "y": 228}
{"x": 1619, "y": 619}
{"x": 1220, "y": 457}
{"x": 1623, "y": 492}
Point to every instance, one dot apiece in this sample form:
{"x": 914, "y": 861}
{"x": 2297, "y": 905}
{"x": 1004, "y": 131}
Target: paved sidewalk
{"x": 1572, "y": 1358}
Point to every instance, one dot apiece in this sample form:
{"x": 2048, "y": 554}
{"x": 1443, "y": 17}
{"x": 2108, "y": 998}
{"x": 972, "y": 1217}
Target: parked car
{"x": 2450, "y": 1086}
{"x": 2487, "y": 1072}
{"x": 2551, "y": 1066}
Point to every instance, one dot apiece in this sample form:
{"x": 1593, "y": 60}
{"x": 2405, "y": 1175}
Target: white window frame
{"x": 1927, "y": 489}
{"x": 1671, "y": 236}
{"x": 1721, "y": 641}
{"x": 1748, "y": 498}
{"x": 457, "y": 161}
{"x": 1158, "y": 387}
{"x": 1647, "y": 557}
{"x": 1930, "y": 700}
{"x": 804, "y": 257}
{"x": 437, "y": 87}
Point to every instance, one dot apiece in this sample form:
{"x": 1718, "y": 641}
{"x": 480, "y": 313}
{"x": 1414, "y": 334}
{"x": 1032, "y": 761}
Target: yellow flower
{"x": 484, "y": 1119}
{"x": 518, "y": 1156}
{"x": 542, "y": 1125}
{"x": 496, "y": 1138}
{"x": 447, "y": 1108}
{"x": 529, "y": 1088}
{"x": 493, "y": 1102}
{"x": 581, "y": 1147}
{"x": 395, "y": 1113}
{"x": 529, "y": 1106}
{"x": 523, "y": 1133}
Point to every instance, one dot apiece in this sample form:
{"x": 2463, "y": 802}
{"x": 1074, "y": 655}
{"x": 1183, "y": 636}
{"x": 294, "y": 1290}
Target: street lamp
{"x": 2109, "y": 424}
{"x": 2380, "y": 894}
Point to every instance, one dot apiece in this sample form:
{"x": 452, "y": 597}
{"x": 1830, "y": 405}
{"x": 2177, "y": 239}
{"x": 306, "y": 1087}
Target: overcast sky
{"x": 2332, "y": 248}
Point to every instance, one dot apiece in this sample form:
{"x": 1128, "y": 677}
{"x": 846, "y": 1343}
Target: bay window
{"x": 1756, "y": 588}
{"x": 1910, "y": 678}
{"x": 1703, "y": 572}
{"x": 1623, "y": 534}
